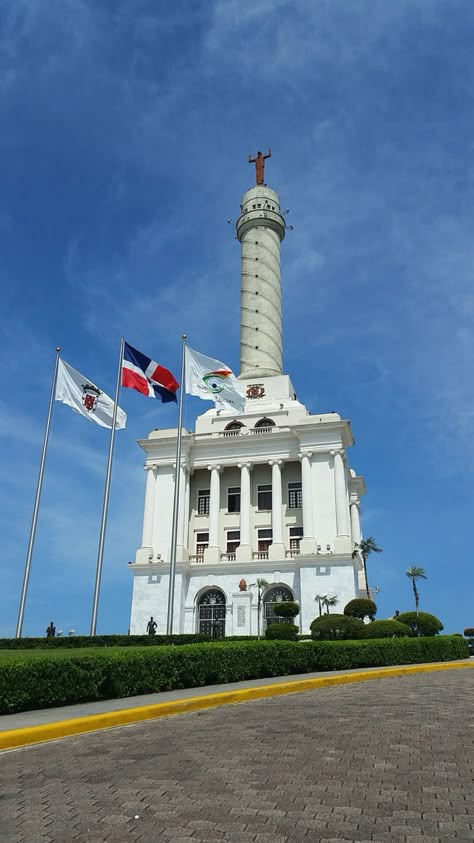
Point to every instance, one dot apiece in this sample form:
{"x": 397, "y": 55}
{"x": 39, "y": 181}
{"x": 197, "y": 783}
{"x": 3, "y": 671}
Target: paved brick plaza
{"x": 387, "y": 760}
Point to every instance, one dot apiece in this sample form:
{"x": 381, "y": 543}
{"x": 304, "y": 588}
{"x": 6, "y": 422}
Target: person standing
{"x": 51, "y": 630}
{"x": 151, "y": 626}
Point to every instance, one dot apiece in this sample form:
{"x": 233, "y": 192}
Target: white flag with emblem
{"x": 86, "y": 398}
{"x": 214, "y": 381}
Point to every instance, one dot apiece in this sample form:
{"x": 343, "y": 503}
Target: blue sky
{"x": 123, "y": 151}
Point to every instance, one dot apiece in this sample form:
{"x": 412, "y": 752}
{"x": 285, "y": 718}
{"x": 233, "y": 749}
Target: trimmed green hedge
{"x": 282, "y": 632}
{"x": 361, "y": 607}
{"x": 336, "y": 627}
{"x": 81, "y": 641}
{"x": 43, "y": 682}
{"x": 386, "y": 629}
{"x": 421, "y": 623}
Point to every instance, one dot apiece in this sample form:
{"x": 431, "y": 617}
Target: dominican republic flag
{"x": 143, "y": 374}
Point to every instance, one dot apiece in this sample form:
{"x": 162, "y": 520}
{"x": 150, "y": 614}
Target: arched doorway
{"x": 211, "y": 613}
{"x": 275, "y": 594}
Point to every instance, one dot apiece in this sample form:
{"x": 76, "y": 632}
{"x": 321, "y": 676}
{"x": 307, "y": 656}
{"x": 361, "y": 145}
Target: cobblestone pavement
{"x": 388, "y": 760}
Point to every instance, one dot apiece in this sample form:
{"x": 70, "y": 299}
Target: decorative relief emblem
{"x": 255, "y": 390}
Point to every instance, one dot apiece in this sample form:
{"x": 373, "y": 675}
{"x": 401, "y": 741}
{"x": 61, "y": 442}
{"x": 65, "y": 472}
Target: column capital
{"x": 217, "y": 468}
{"x": 248, "y": 465}
{"x": 303, "y": 454}
{"x": 338, "y": 451}
{"x": 149, "y": 467}
{"x": 356, "y": 504}
{"x": 183, "y": 465}
{"x": 275, "y": 462}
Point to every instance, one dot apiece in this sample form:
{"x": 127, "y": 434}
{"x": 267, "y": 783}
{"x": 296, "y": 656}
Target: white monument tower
{"x": 260, "y": 229}
{"x": 264, "y": 495}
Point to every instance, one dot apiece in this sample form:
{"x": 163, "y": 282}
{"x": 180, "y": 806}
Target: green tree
{"x": 361, "y": 608}
{"x": 415, "y": 574}
{"x": 286, "y": 609}
{"x": 260, "y": 584}
{"x": 421, "y": 623}
{"x": 320, "y": 598}
{"x": 364, "y": 548}
{"x": 329, "y": 603}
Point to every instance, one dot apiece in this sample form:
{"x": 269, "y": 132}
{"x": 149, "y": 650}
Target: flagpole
{"x": 39, "y": 486}
{"x": 177, "y": 474}
{"x": 105, "y": 506}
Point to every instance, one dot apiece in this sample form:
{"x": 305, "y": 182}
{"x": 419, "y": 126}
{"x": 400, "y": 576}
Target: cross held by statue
{"x": 259, "y": 162}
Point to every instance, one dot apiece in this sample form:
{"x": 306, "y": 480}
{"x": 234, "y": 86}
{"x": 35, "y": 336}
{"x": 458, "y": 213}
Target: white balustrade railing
{"x": 245, "y": 431}
{"x": 198, "y": 557}
{"x": 227, "y": 557}
{"x": 261, "y": 554}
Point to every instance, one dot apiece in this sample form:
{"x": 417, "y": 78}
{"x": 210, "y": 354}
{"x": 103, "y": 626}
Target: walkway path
{"x": 386, "y": 761}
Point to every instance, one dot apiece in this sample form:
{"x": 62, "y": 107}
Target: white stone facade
{"x": 264, "y": 495}
{"x": 218, "y": 467}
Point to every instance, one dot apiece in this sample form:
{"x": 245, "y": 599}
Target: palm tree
{"x": 364, "y": 548}
{"x": 259, "y": 584}
{"x": 415, "y": 574}
{"x": 330, "y": 602}
{"x": 320, "y": 598}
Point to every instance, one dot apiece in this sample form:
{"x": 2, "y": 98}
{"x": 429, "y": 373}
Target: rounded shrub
{"x": 331, "y": 627}
{"x": 386, "y": 629}
{"x": 361, "y": 608}
{"x": 282, "y": 632}
{"x": 286, "y": 609}
{"x": 422, "y": 624}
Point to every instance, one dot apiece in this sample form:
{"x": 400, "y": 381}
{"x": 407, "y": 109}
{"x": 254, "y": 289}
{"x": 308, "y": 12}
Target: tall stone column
{"x": 244, "y": 551}
{"x": 147, "y": 534}
{"x": 355, "y": 522}
{"x": 182, "y": 554}
{"x": 277, "y": 548}
{"x": 260, "y": 229}
{"x": 187, "y": 507}
{"x": 343, "y": 542}
{"x": 308, "y": 543}
{"x": 212, "y": 553}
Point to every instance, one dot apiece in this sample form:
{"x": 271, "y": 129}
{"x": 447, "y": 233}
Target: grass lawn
{"x": 63, "y": 652}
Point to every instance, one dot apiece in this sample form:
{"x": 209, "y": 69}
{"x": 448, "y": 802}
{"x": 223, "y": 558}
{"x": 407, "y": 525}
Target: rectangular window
{"x": 264, "y": 497}
{"x": 233, "y": 540}
{"x": 233, "y": 499}
{"x": 296, "y": 534}
{"x": 204, "y": 496}
{"x": 202, "y": 541}
{"x": 264, "y": 540}
{"x": 295, "y": 496}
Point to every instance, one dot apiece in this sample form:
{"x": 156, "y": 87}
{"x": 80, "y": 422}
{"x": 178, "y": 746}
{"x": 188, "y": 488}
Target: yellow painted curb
{"x": 15, "y": 738}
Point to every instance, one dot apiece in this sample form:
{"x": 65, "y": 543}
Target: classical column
{"x": 342, "y": 543}
{"x": 308, "y": 543}
{"x": 244, "y": 551}
{"x": 147, "y": 534}
{"x": 355, "y": 522}
{"x": 277, "y": 548}
{"x": 181, "y": 548}
{"x": 212, "y": 553}
{"x": 187, "y": 508}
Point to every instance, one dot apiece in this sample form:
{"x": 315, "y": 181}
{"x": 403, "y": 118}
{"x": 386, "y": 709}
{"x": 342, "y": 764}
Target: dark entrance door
{"x": 211, "y": 609}
{"x": 275, "y": 595}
